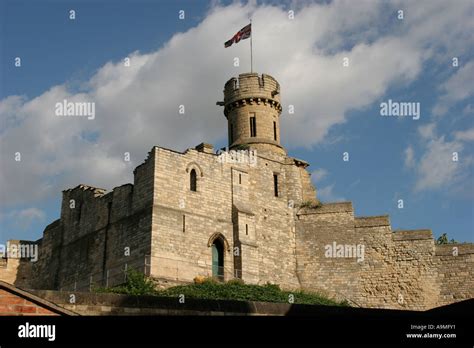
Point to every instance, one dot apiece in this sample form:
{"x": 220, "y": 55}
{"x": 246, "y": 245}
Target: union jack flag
{"x": 242, "y": 34}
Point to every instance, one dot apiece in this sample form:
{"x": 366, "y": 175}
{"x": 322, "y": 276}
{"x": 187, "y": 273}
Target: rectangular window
{"x": 274, "y": 130}
{"x": 253, "y": 126}
{"x": 246, "y": 229}
{"x": 240, "y": 179}
{"x": 184, "y": 223}
{"x": 275, "y": 184}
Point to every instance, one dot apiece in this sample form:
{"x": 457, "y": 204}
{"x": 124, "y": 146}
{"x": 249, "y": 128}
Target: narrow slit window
{"x": 193, "y": 180}
{"x": 275, "y": 184}
{"x": 274, "y": 130}
{"x": 240, "y": 179}
{"x": 253, "y": 126}
{"x": 246, "y": 229}
{"x": 184, "y": 223}
{"x": 79, "y": 212}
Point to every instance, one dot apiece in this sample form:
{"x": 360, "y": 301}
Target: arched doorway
{"x": 218, "y": 259}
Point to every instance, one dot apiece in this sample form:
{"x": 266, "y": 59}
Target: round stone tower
{"x": 252, "y": 108}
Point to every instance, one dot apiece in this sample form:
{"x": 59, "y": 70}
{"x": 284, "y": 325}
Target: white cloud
{"x": 318, "y": 174}
{"x": 137, "y": 106}
{"x": 409, "y": 157}
{"x": 427, "y": 131}
{"x": 326, "y": 194}
{"x": 467, "y": 135}
{"x": 468, "y": 110}
{"x": 436, "y": 168}
{"x": 457, "y": 88}
{"x": 24, "y": 218}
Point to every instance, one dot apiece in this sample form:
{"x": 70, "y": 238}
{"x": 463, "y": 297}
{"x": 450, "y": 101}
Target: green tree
{"x": 443, "y": 239}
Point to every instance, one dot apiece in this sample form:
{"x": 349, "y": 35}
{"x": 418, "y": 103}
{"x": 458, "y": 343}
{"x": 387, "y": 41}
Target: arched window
{"x": 193, "y": 180}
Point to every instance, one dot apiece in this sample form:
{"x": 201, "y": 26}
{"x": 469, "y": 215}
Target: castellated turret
{"x": 252, "y": 108}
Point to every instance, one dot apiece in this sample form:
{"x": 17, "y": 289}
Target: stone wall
{"x": 264, "y": 213}
{"x": 455, "y": 272}
{"x": 234, "y": 200}
{"x": 161, "y": 227}
{"x": 98, "y": 236}
{"x": 400, "y": 269}
{"x": 113, "y": 304}
{"x": 316, "y": 228}
{"x": 16, "y": 270}
{"x": 184, "y": 220}
{"x": 9, "y": 270}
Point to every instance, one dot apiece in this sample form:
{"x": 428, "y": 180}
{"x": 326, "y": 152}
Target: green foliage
{"x": 137, "y": 284}
{"x": 236, "y": 281}
{"x": 443, "y": 239}
{"x": 209, "y": 288}
{"x": 236, "y": 290}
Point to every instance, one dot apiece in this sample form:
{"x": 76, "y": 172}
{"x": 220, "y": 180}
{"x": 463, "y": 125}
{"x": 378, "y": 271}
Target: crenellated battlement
{"x": 250, "y": 88}
{"x": 249, "y": 84}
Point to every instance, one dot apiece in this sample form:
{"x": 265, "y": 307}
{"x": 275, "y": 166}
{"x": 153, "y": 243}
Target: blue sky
{"x": 174, "y": 61}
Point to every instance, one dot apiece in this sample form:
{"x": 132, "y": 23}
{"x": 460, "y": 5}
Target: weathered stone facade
{"x": 255, "y": 209}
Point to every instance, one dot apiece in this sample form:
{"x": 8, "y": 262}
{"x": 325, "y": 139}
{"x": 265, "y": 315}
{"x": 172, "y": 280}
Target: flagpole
{"x": 251, "y": 55}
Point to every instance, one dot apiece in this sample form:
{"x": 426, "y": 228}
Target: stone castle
{"x": 248, "y": 213}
